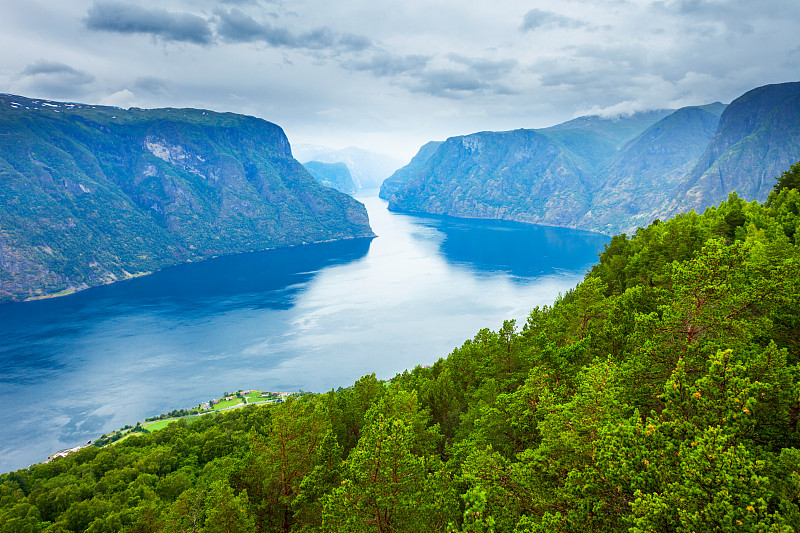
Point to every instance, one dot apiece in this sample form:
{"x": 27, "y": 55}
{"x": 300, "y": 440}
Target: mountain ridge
{"x": 95, "y": 194}
{"x": 624, "y": 172}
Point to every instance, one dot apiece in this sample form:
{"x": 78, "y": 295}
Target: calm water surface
{"x": 311, "y": 318}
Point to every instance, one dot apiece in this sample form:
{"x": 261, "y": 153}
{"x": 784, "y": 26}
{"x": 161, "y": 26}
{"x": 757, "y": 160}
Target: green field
{"x": 227, "y": 403}
{"x": 160, "y": 424}
{"x": 255, "y": 396}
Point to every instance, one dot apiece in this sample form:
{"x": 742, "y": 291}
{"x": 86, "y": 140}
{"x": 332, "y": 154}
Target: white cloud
{"x": 124, "y": 98}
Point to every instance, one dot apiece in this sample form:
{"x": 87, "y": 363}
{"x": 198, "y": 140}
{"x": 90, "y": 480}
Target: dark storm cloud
{"x": 120, "y": 17}
{"x": 238, "y": 27}
{"x": 537, "y": 18}
{"x": 54, "y": 78}
{"x": 384, "y": 64}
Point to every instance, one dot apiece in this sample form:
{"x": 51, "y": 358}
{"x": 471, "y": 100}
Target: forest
{"x": 661, "y": 394}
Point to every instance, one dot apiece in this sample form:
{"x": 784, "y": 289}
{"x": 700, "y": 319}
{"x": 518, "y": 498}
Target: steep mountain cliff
{"x": 335, "y": 175}
{"x": 516, "y": 175}
{"x": 611, "y": 175}
{"x": 402, "y": 175}
{"x": 94, "y": 194}
{"x": 536, "y": 176}
{"x": 758, "y": 137}
{"x": 647, "y": 171}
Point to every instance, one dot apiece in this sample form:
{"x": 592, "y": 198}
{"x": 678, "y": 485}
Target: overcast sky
{"x": 390, "y": 76}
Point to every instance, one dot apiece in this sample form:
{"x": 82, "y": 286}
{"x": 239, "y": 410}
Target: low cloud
{"x": 538, "y": 18}
{"x": 238, "y": 27}
{"x": 120, "y": 17}
{"x": 464, "y": 76}
{"x": 488, "y": 69}
{"x": 124, "y": 99}
{"x": 383, "y": 64}
{"x": 55, "y": 79}
{"x": 151, "y": 85}
{"x": 46, "y": 68}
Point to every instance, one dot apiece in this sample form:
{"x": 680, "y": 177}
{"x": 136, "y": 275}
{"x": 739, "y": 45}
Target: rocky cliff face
{"x": 757, "y": 139}
{"x": 517, "y": 175}
{"x": 401, "y": 176}
{"x": 95, "y": 194}
{"x": 611, "y": 175}
{"x": 646, "y": 172}
{"x": 546, "y": 184}
{"x": 534, "y": 176}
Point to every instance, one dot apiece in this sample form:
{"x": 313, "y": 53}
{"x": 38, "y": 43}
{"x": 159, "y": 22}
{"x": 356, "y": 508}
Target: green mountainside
{"x": 545, "y": 181}
{"x": 623, "y": 173}
{"x": 95, "y": 194}
{"x": 646, "y": 172}
{"x": 401, "y": 176}
{"x": 758, "y": 137}
{"x": 661, "y": 394}
{"x": 335, "y": 175}
{"x": 536, "y": 176}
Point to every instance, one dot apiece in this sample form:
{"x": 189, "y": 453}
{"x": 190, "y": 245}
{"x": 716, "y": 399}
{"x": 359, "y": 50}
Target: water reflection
{"x": 499, "y": 246}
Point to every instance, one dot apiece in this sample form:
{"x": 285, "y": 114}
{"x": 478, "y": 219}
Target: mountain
{"x": 758, "y": 137}
{"x": 612, "y": 175}
{"x": 401, "y": 176}
{"x": 335, "y": 175}
{"x": 647, "y": 170}
{"x": 597, "y": 138}
{"x": 537, "y": 176}
{"x": 367, "y": 168}
{"x": 94, "y": 194}
{"x": 518, "y": 175}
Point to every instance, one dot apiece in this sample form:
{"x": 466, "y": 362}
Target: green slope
{"x": 758, "y": 137}
{"x": 94, "y": 194}
{"x": 646, "y": 172}
{"x": 537, "y": 176}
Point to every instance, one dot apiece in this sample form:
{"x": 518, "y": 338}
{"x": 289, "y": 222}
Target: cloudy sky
{"x": 389, "y": 76}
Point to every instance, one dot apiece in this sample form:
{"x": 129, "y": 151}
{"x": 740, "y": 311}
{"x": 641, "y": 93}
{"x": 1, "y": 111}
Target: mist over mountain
{"x": 96, "y": 194}
{"x": 368, "y": 169}
{"x": 647, "y": 170}
{"x": 609, "y": 174}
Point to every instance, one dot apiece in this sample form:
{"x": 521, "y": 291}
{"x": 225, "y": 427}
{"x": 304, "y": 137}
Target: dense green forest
{"x": 661, "y": 394}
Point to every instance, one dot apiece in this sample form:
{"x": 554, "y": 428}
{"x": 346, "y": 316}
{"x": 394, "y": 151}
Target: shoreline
{"x": 71, "y": 291}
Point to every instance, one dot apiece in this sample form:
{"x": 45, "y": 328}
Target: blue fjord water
{"x": 313, "y": 318}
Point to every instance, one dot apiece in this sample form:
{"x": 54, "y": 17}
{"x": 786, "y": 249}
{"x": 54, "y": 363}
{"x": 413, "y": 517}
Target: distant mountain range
{"x": 94, "y": 194}
{"x": 368, "y": 169}
{"x": 335, "y": 175}
{"x": 608, "y": 174}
